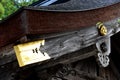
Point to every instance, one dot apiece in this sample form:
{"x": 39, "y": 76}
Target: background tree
{"x": 24, "y": 2}
{"x": 2, "y": 11}
{"x": 8, "y": 7}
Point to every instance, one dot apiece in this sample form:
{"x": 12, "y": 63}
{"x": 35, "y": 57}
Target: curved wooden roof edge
{"x": 28, "y": 20}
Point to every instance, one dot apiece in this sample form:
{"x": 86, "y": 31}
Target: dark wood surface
{"x": 11, "y": 30}
{"x": 35, "y": 21}
{"x": 60, "y": 44}
{"x": 86, "y": 69}
{"x": 70, "y": 37}
{"x": 42, "y": 22}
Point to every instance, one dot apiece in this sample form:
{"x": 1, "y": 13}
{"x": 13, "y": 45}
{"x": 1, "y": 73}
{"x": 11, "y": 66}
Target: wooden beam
{"x": 70, "y": 57}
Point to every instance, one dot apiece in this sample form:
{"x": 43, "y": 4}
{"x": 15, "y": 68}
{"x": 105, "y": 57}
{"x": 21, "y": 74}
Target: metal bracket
{"x": 104, "y": 49}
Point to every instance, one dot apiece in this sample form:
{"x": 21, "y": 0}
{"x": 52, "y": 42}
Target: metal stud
{"x": 101, "y": 28}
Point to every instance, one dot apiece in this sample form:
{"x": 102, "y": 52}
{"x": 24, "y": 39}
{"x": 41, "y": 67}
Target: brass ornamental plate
{"x": 29, "y": 53}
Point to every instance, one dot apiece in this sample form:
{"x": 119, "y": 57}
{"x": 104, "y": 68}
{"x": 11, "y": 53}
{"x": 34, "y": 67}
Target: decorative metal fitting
{"x": 29, "y": 53}
{"x": 104, "y": 50}
{"x": 102, "y": 29}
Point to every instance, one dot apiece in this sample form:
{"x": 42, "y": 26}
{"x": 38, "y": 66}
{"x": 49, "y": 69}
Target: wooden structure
{"x": 75, "y": 40}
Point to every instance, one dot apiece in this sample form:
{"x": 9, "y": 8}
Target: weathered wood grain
{"x": 51, "y": 21}
{"x": 60, "y": 44}
{"x": 30, "y": 21}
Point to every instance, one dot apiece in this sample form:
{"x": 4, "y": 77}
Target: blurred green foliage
{"x": 2, "y": 11}
{"x": 8, "y": 7}
{"x": 26, "y": 2}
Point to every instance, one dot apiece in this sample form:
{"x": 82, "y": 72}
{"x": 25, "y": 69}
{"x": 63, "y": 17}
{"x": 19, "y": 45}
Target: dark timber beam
{"x": 60, "y": 44}
{"x": 38, "y": 21}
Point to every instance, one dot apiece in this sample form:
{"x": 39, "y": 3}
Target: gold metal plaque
{"x": 29, "y": 53}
